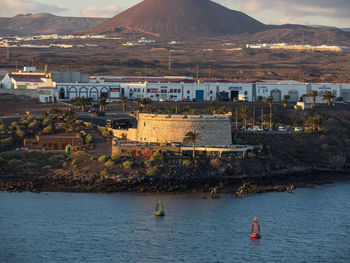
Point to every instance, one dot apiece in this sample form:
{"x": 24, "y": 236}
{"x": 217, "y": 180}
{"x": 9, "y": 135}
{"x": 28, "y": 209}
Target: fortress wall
{"x": 167, "y": 129}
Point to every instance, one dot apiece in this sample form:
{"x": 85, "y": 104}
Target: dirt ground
{"x": 11, "y": 106}
{"x": 213, "y": 58}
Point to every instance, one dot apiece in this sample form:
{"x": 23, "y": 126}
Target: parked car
{"x": 282, "y": 128}
{"x": 298, "y": 129}
{"x": 257, "y": 128}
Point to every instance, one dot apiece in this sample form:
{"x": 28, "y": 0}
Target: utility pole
{"x": 209, "y": 72}
{"x": 169, "y": 66}
{"x": 253, "y": 117}
{"x": 8, "y": 53}
{"x": 236, "y": 118}
{"x": 302, "y": 39}
{"x": 197, "y": 72}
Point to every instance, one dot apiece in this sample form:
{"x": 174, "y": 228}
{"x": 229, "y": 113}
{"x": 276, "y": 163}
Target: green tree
{"x": 285, "y": 100}
{"x": 82, "y": 102}
{"x": 269, "y": 101}
{"x": 192, "y": 137}
{"x": 313, "y": 94}
{"x": 328, "y": 95}
{"x": 124, "y": 137}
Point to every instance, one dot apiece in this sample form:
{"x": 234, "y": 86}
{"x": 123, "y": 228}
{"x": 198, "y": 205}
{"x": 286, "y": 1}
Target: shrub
{"x": 78, "y": 122}
{"x": 251, "y": 155}
{"x": 153, "y": 171}
{"x": 156, "y": 159}
{"x": 3, "y": 127}
{"x": 127, "y": 164}
{"x": 102, "y": 158}
{"x": 7, "y": 141}
{"x": 8, "y": 155}
{"x": 47, "y": 129}
{"x": 15, "y": 163}
{"x": 109, "y": 163}
{"x": 2, "y": 163}
{"x": 216, "y": 163}
{"x": 324, "y": 146}
{"x": 33, "y": 125}
{"x": 240, "y": 141}
{"x": 30, "y": 165}
{"x": 104, "y": 173}
{"x": 116, "y": 157}
{"x": 20, "y": 133}
{"x": 83, "y": 133}
{"x": 56, "y": 159}
{"x": 187, "y": 163}
{"x": 323, "y": 137}
{"x": 88, "y": 138}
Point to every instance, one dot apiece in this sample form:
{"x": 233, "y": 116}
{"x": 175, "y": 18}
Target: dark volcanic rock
{"x": 184, "y": 18}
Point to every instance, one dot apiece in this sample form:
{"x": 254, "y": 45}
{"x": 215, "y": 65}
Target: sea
{"x": 310, "y": 225}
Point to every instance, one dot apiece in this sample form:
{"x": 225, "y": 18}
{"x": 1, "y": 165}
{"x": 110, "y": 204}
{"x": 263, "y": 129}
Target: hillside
{"x": 45, "y": 24}
{"x": 185, "y": 18}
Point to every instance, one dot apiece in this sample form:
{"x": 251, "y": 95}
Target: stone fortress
{"x": 166, "y": 129}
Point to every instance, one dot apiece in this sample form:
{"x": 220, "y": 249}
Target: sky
{"x": 307, "y": 12}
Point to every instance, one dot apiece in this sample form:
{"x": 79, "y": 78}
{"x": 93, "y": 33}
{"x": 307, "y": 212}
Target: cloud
{"x": 327, "y": 8}
{"x": 106, "y": 11}
{"x": 14, "y": 7}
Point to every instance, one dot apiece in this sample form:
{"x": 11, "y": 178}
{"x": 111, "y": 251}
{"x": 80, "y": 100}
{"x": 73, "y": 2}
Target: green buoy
{"x": 159, "y": 209}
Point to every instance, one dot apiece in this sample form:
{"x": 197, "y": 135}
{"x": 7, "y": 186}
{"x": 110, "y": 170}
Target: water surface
{"x": 311, "y": 225}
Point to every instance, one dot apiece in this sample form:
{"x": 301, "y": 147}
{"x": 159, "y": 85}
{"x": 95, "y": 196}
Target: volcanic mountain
{"x": 183, "y": 18}
{"x": 45, "y": 24}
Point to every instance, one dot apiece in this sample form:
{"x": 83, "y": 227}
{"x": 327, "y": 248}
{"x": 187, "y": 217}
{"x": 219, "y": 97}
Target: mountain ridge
{"x": 44, "y": 23}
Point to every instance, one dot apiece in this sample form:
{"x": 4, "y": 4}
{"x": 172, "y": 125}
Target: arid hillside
{"x": 45, "y": 24}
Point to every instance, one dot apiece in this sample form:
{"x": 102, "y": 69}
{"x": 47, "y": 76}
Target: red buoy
{"x": 255, "y": 232}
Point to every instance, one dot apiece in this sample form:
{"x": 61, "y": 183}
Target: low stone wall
{"x": 32, "y": 93}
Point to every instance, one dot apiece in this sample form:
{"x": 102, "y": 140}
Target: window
{"x": 211, "y": 92}
{"x": 171, "y": 91}
{"x": 148, "y": 90}
{"x": 246, "y": 93}
{"x": 188, "y": 92}
{"x": 144, "y": 124}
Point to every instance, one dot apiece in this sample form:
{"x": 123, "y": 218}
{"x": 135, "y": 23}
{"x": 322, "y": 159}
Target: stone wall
{"x": 18, "y": 92}
{"x": 213, "y": 130}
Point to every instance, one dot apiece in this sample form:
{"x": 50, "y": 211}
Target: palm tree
{"x": 124, "y": 137}
{"x": 285, "y": 100}
{"x": 193, "y": 138}
{"x": 82, "y": 102}
{"x": 313, "y": 94}
{"x": 244, "y": 115}
{"x": 102, "y": 102}
{"x": 328, "y": 95}
{"x": 269, "y": 101}
{"x": 124, "y": 100}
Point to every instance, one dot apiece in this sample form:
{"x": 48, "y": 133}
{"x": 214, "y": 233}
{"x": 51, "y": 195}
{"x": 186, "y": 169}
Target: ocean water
{"x": 311, "y": 225}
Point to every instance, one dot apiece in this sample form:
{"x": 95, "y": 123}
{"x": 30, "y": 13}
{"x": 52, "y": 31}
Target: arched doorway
{"x": 293, "y": 95}
{"x": 73, "y": 93}
{"x": 83, "y": 93}
{"x": 104, "y": 93}
{"x": 62, "y": 94}
{"x": 94, "y": 93}
{"x": 276, "y": 95}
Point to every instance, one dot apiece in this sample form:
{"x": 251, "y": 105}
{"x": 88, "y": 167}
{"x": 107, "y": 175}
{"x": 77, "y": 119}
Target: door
{"x": 276, "y": 95}
{"x": 234, "y": 95}
{"x": 200, "y": 95}
{"x": 293, "y": 96}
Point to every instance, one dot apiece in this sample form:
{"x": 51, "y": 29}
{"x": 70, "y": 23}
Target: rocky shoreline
{"x": 193, "y": 183}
